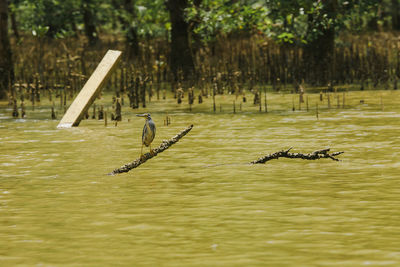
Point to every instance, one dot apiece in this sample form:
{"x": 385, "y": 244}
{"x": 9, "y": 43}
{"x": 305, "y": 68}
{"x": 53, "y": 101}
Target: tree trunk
{"x": 180, "y": 58}
{"x": 89, "y": 23}
{"x": 319, "y": 52}
{"x": 14, "y": 24}
{"x": 396, "y": 15}
{"x": 194, "y": 39}
{"x": 6, "y": 66}
{"x": 128, "y": 22}
{"x": 131, "y": 30}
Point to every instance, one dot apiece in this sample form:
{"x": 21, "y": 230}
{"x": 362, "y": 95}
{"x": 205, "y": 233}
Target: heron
{"x": 149, "y": 131}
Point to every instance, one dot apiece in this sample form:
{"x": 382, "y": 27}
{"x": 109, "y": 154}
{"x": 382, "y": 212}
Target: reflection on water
{"x": 199, "y": 203}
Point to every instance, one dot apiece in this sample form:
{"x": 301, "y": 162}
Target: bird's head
{"x": 145, "y": 115}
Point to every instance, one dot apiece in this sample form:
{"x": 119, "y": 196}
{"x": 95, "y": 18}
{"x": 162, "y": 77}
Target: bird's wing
{"x": 153, "y": 127}
{"x": 144, "y": 132}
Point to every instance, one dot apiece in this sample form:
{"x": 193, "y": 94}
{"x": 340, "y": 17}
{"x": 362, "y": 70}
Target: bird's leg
{"x": 151, "y": 151}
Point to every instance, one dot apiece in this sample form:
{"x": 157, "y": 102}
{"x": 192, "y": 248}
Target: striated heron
{"x": 149, "y": 131}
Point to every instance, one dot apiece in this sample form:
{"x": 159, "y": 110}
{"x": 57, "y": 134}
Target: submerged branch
{"x": 318, "y": 154}
{"x": 164, "y": 145}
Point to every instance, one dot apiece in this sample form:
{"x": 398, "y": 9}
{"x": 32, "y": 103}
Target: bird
{"x": 149, "y": 132}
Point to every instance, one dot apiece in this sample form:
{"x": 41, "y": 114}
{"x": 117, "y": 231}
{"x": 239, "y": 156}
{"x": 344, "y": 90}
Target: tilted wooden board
{"x": 90, "y": 90}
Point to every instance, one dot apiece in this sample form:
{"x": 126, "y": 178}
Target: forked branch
{"x": 318, "y": 154}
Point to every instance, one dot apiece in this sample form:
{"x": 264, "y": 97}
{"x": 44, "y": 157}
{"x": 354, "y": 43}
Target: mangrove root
{"x": 164, "y": 145}
{"x": 318, "y": 154}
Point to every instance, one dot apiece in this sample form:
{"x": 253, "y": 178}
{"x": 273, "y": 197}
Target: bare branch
{"x": 318, "y": 154}
{"x": 164, "y": 145}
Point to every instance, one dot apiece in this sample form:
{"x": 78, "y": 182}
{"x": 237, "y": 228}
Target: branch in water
{"x": 318, "y": 154}
{"x": 164, "y": 145}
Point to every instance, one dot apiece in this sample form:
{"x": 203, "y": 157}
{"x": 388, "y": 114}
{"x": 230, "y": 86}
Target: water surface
{"x": 199, "y": 203}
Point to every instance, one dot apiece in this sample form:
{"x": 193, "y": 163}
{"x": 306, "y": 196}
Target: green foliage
{"x": 365, "y": 15}
{"x": 287, "y": 21}
{"x": 224, "y": 17}
{"x": 153, "y": 18}
{"x": 286, "y": 37}
{"x": 40, "y": 31}
{"x": 58, "y": 17}
{"x": 148, "y": 17}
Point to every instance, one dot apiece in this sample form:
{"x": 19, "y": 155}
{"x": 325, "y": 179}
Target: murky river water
{"x": 199, "y": 203}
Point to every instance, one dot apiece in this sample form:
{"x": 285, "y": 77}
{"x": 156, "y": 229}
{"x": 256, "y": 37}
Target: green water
{"x": 199, "y": 203}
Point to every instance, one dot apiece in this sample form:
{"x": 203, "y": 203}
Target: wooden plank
{"x": 90, "y": 90}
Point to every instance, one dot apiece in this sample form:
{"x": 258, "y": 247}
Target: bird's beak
{"x": 140, "y": 115}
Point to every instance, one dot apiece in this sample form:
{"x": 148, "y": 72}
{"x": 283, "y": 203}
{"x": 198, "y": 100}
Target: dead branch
{"x": 164, "y": 145}
{"x": 318, "y": 154}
